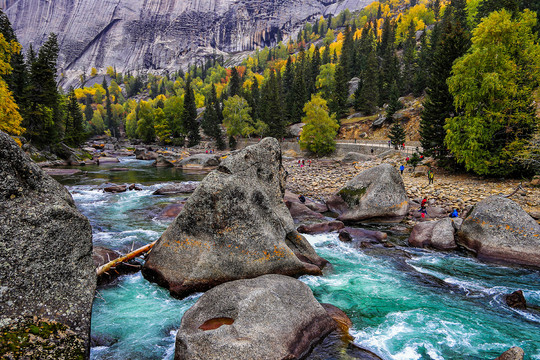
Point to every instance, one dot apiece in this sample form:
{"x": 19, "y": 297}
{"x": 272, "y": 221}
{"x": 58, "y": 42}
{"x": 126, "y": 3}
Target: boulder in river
{"x": 301, "y": 212}
{"x": 115, "y": 189}
{"x": 499, "y": 229}
{"x": 177, "y": 188}
{"x": 234, "y": 226}
{"x": 312, "y": 205}
{"x": 376, "y": 194}
{"x": 46, "y": 273}
{"x": 319, "y": 228}
{"x": 357, "y": 234}
{"x": 205, "y": 160}
{"x": 437, "y": 234}
{"x": 269, "y": 317}
{"x": 162, "y": 162}
{"x": 107, "y": 160}
{"x": 516, "y": 300}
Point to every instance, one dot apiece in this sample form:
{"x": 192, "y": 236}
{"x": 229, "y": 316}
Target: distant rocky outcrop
{"x": 164, "y": 35}
{"x": 499, "y": 229}
{"x": 47, "y": 278}
{"x": 234, "y": 226}
{"x": 376, "y": 194}
{"x": 269, "y": 317}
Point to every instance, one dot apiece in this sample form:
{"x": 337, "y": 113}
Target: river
{"x": 405, "y": 303}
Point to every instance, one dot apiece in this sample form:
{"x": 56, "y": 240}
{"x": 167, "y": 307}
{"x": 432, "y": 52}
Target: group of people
{"x": 302, "y": 163}
{"x": 423, "y": 209}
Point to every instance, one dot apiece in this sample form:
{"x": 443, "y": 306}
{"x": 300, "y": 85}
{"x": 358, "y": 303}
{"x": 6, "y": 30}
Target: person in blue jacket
{"x": 454, "y": 214}
{"x": 401, "y": 168}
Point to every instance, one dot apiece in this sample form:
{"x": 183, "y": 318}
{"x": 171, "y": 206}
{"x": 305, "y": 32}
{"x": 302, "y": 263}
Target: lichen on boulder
{"x": 46, "y": 270}
{"x": 234, "y": 226}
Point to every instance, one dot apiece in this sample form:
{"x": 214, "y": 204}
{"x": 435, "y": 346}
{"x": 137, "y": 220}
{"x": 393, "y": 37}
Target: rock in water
{"x": 516, "y": 300}
{"x": 514, "y": 353}
{"x": 376, "y": 194}
{"x": 499, "y": 229}
{"x": 234, "y": 226}
{"x": 46, "y": 265}
{"x": 269, "y": 317}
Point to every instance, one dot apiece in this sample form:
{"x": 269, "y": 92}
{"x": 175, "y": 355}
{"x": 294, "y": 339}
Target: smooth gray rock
{"x": 177, "y": 188}
{"x": 376, "y": 194}
{"x": 356, "y": 157}
{"x": 301, "y": 212}
{"x": 234, "y": 226}
{"x": 107, "y": 160}
{"x": 421, "y": 234}
{"x": 442, "y": 237}
{"x": 162, "y": 162}
{"x": 499, "y": 229}
{"x": 206, "y": 160}
{"x": 273, "y": 317}
{"x": 46, "y": 266}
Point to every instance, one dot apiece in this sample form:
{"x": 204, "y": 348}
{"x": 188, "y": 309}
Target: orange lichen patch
{"x": 215, "y": 323}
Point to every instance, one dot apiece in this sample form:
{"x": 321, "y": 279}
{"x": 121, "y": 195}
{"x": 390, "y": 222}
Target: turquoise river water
{"x": 405, "y": 303}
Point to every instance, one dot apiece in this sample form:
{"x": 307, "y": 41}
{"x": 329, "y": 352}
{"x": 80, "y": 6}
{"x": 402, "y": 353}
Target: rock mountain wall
{"x": 158, "y": 34}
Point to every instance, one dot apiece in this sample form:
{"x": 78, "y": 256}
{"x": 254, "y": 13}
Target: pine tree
{"x": 326, "y": 55}
{"x": 235, "y": 84}
{"x": 338, "y": 105}
{"x": 272, "y": 108}
{"x": 189, "y": 115}
{"x": 389, "y": 68}
{"x": 397, "y": 134}
{"x": 409, "y": 60}
{"x": 347, "y": 54}
{"x": 210, "y": 122}
{"x": 421, "y": 74}
{"x": 74, "y": 124}
{"x": 288, "y": 93}
{"x": 298, "y": 94}
{"x": 439, "y": 103}
{"x": 393, "y": 104}
{"x": 366, "y": 96}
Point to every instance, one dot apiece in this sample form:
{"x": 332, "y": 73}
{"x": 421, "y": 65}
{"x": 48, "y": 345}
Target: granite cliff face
{"x": 158, "y": 34}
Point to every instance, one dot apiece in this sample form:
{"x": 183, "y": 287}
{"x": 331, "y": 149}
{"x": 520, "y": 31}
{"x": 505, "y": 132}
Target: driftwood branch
{"x": 111, "y": 264}
{"x": 515, "y": 191}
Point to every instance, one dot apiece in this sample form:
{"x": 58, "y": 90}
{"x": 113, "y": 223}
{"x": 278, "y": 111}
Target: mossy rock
{"x": 40, "y": 340}
{"x": 352, "y": 196}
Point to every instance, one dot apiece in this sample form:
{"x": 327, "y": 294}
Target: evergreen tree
{"x": 389, "y": 68}
{"x": 366, "y": 97}
{"x": 74, "y": 125}
{"x": 235, "y": 84}
{"x": 397, "y": 134}
{"x": 288, "y": 93}
{"x": 298, "y": 93}
{"x": 326, "y": 55}
{"x": 272, "y": 108}
{"x": 189, "y": 115}
{"x": 210, "y": 122}
{"x": 255, "y": 100}
{"x": 439, "y": 103}
{"x": 409, "y": 60}
{"x": 43, "y": 115}
{"x": 88, "y": 111}
{"x": 347, "y": 54}
{"x": 314, "y": 68}
{"x": 393, "y": 104}
{"x": 421, "y": 74}
{"x": 340, "y": 94}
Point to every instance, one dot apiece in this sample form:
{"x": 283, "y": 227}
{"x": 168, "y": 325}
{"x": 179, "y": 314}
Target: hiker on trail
{"x": 401, "y": 168}
{"x": 423, "y": 204}
{"x": 302, "y": 199}
{"x": 431, "y": 176}
{"x": 454, "y": 213}
{"x": 407, "y": 159}
{"x": 309, "y": 163}
{"x": 389, "y": 143}
{"x": 371, "y": 151}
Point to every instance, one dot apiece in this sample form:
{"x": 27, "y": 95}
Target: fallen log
{"x": 111, "y": 264}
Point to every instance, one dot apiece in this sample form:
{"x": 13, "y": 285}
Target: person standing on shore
{"x": 431, "y": 176}
{"x": 401, "y": 168}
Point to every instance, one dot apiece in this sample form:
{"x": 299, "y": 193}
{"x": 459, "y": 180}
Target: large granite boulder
{"x": 234, "y": 226}
{"x": 376, "y": 194}
{"x": 206, "y": 160}
{"x": 46, "y": 270}
{"x": 269, "y": 317}
{"x": 499, "y": 229}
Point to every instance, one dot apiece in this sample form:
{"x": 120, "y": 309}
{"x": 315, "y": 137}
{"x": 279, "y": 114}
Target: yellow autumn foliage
{"x": 10, "y": 119}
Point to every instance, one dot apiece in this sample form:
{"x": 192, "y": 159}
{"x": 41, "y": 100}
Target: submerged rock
{"x": 376, "y": 194}
{"x": 516, "y": 300}
{"x": 269, "y": 317}
{"x": 234, "y": 226}
{"x": 499, "y": 229}
{"x": 514, "y": 353}
{"x": 46, "y": 270}
{"x": 116, "y": 189}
